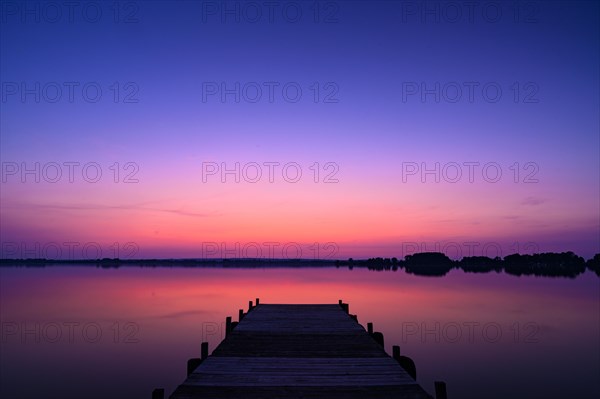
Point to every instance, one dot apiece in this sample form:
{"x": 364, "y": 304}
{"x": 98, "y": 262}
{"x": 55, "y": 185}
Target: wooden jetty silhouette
{"x": 300, "y": 351}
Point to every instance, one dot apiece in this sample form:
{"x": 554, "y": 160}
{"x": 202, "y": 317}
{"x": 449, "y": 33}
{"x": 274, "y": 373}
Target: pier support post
{"x": 192, "y": 364}
{"x": 378, "y": 337}
{"x": 158, "y": 393}
{"x": 440, "y": 390}
{"x": 204, "y": 350}
{"x": 345, "y": 306}
{"x": 227, "y": 325}
{"x": 409, "y": 365}
{"x": 405, "y": 362}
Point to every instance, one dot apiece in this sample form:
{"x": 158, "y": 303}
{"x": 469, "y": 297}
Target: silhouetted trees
{"x": 480, "y": 264}
{"x": 428, "y": 264}
{"x": 594, "y": 264}
{"x": 565, "y": 264}
{"x": 382, "y": 264}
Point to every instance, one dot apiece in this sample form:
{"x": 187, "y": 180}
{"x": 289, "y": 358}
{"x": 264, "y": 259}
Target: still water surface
{"x": 85, "y": 332}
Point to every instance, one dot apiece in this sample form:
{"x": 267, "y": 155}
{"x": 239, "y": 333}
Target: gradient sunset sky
{"x": 367, "y": 114}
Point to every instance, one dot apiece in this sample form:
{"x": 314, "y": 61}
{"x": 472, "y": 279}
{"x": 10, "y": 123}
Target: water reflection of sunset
{"x": 494, "y": 323}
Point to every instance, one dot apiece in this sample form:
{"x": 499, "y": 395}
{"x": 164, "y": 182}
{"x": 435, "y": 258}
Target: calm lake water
{"x": 86, "y": 332}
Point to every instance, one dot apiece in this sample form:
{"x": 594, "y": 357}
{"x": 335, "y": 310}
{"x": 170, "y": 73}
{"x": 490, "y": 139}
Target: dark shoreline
{"x": 564, "y": 264}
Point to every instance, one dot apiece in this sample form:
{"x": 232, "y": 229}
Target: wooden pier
{"x": 300, "y": 351}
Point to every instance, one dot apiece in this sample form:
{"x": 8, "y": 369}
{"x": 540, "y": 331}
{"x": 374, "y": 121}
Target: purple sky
{"x": 362, "y": 98}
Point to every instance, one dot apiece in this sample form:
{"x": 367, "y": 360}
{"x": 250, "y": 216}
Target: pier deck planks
{"x": 299, "y": 351}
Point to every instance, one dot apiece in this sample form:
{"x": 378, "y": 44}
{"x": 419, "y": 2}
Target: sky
{"x": 298, "y": 129}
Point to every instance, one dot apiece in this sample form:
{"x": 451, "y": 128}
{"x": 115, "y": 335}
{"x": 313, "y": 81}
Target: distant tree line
{"x": 177, "y": 262}
{"x": 564, "y": 264}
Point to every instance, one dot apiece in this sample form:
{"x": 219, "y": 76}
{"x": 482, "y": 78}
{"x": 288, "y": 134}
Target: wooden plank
{"x": 399, "y": 392}
{"x": 299, "y": 345}
{"x": 268, "y": 371}
{"x": 299, "y": 319}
